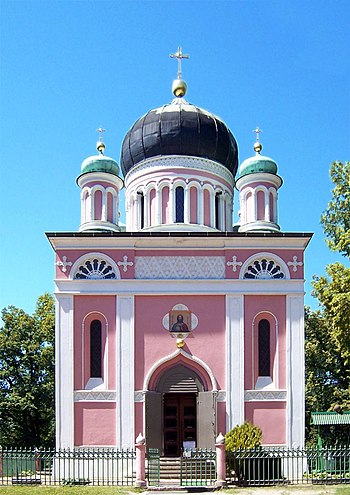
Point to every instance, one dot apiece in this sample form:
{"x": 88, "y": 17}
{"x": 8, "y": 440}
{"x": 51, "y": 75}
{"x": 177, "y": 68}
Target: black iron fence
{"x": 67, "y": 467}
{"x": 271, "y": 466}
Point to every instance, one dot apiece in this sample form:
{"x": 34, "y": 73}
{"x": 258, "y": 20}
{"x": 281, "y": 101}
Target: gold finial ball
{"x": 100, "y": 147}
{"x": 257, "y": 147}
{"x": 179, "y": 88}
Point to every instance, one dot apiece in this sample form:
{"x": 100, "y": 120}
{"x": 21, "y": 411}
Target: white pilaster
{"x": 64, "y": 372}
{"x": 295, "y": 371}
{"x": 171, "y": 203}
{"x": 158, "y": 205}
{"x": 125, "y": 372}
{"x": 234, "y": 361}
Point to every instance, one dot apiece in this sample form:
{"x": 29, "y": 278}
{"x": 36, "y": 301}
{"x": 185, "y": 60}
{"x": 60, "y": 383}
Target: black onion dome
{"x": 179, "y": 128}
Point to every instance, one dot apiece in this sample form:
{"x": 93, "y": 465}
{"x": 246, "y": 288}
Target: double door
{"x": 180, "y": 422}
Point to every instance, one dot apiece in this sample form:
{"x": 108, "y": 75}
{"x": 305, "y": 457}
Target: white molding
{"x": 190, "y": 357}
{"x": 125, "y": 371}
{"x": 95, "y": 396}
{"x": 64, "y": 372}
{"x": 155, "y": 164}
{"x": 258, "y": 177}
{"x": 139, "y": 396}
{"x": 180, "y": 267}
{"x": 189, "y": 286}
{"x": 221, "y": 396}
{"x": 234, "y": 361}
{"x": 265, "y": 395}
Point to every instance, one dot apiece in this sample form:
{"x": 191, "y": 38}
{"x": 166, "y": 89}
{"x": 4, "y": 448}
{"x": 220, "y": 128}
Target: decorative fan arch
{"x": 95, "y": 266}
{"x": 264, "y": 266}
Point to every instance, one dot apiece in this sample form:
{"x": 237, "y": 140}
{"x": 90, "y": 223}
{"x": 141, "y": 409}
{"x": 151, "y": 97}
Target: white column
{"x": 234, "y": 361}
{"x": 295, "y": 371}
{"x": 158, "y": 205}
{"x": 171, "y": 203}
{"x": 267, "y": 206}
{"x": 125, "y": 372}
{"x": 89, "y": 207}
{"x": 201, "y": 205}
{"x": 222, "y": 221}
{"x": 255, "y": 205}
{"x": 187, "y": 204}
{"x": 137, "y": 212}
{"x": 275, "y": 213}
{"x": 212, "y": 208}
{"x": 104, "y": 205}
{"x": 64, "y": 372}
{"x": 146, "y": 208}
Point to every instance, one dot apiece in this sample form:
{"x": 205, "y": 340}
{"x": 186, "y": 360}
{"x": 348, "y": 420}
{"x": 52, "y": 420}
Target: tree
{"x": 336, "y": 219}
{"x": 327, "y": 349}
{"x": 27, "y": 375}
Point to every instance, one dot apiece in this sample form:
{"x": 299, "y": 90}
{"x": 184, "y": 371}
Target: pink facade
{"x": 179, "y": 325}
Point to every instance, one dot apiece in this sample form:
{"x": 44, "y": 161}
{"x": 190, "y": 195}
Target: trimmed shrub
{"x": 245, "y": 436}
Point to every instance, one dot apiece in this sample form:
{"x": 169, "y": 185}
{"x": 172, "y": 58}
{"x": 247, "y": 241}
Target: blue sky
{"x": 68, "y": 67}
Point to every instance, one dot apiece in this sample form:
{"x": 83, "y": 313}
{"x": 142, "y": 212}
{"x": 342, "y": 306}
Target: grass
{"x": 67, "y": 490}
{"x": 116, "y": 490}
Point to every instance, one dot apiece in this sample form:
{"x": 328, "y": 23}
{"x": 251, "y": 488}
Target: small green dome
{"x": 256, "y": 164}
{"x": 100, "y": 163}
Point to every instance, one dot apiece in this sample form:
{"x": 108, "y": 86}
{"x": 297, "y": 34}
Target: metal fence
{"x": 271, "y": 466}
{"x": 198, "y": 468}
{"x": 68, "y": 467}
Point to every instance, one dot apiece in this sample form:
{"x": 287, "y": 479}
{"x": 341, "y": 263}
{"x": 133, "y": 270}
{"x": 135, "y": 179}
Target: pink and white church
{"x": 178, "y": 325}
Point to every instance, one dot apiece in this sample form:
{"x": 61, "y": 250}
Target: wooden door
{"x": 179, "y": 422}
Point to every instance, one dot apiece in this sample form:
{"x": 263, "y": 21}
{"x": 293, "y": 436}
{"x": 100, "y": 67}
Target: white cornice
{"x": 267, "y": 242}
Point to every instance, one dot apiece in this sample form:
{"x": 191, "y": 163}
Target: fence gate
{"x": 198, "y": 468}
{"x": 153, "y": 467}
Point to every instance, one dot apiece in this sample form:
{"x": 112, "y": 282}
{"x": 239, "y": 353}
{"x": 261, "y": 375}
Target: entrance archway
{"x": 180, "y": 412}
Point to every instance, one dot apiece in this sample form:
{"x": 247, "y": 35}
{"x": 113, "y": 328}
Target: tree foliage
{"x": 327, "y": 349}
{"x": 336, "y": 218}
{"x": 27, "y": 375}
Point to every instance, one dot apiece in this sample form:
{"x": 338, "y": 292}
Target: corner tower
{"x": 258, "y": 184}
{"x": 100, "y": 186}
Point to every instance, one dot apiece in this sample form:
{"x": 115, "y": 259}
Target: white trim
{"x": 95, "y": 396}
{"x": 125, "y": 371}
{"x": 189, "y": 286}
{"x": 190, "y": 357}
{"x": 156, "y": 164}
{"x": 92, "y": 382}
{"x": 234, "y": 361}
{"x": 265, "y": 395}
{"x": 64, "y": 372}
{"x": 274, "y": 380}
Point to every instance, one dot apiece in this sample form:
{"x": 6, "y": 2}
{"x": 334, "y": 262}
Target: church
{"x": 182, "y": 323}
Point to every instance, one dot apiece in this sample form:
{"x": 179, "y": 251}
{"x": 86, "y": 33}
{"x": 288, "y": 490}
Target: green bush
{"x": 245, "y": 436}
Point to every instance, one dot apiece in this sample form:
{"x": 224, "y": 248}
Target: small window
{"x": 179, "y": 199}
{"x": 96, "y": 349}
{"x": 264, "y": 348}
{"x": 142, "y": 209}
{"x": 217, "y": 209}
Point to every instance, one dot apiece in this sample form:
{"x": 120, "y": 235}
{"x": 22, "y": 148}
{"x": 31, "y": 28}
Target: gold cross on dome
{"x": 257, "y": 130}
{"x": 100, "y": 130}
{"x": 179, "y": 55}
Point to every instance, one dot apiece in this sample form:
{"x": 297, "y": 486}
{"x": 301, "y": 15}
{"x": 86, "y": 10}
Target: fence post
{"x": 140, "y": 460}
{"x": 220, "y": 461}
{"x": 0, "y": 461}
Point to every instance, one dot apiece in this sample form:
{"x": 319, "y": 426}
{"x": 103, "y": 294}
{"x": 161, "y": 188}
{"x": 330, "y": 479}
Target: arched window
{"x": 217, "y": 210}
{"x": 179, "y": 201}
{"x": 264, "y": 356}
{"x": 141, "y": 209}
{"x": 96, "y": 349}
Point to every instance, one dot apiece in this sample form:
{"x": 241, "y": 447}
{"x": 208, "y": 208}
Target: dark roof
{"x": 179, "y": 128}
